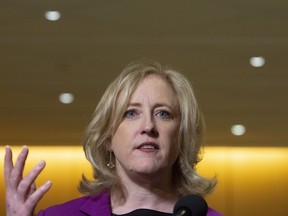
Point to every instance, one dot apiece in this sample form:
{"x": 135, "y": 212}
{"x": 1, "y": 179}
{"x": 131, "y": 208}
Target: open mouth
{"x": 148, "y": 146}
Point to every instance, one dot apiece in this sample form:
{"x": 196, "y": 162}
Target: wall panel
{"x": 251, "y": 181}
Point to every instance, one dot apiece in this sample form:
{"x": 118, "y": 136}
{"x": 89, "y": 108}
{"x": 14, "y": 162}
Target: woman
{"x": 143, "y": 143}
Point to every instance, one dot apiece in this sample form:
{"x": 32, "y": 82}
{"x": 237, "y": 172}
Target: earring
{"x": 111, "y": 165}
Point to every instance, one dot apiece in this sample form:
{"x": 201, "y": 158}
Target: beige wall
{"x": 252, "y": 181}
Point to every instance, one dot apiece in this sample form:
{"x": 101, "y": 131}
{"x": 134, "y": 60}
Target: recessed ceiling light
{"x": 52, "y": 15}
{"x": 66, "y": 98}
{"x": 257, "y": 61}
{"x": 238, "y": 130}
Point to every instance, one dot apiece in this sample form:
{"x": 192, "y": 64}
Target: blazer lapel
{"x": 97, "y": 205}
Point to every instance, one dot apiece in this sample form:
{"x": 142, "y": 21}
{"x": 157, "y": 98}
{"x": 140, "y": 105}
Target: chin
{"x": 147, "y": 169}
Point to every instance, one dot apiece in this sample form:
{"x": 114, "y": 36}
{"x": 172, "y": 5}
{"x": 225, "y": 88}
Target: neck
{"x": 144, "y": 192}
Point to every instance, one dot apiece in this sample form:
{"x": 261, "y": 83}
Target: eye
{"x": 130, "y": 114}
{"x": 163, "y": 114}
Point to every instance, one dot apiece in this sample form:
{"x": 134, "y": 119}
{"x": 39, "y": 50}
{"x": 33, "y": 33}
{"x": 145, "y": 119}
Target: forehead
{"x": 156, "y": 89}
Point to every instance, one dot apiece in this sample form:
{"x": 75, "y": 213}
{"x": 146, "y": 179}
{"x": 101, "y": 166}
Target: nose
{"x": 149, "y": 126}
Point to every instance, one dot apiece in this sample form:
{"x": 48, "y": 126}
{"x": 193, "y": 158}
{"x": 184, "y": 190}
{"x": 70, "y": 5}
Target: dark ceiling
{"x": 210, "y": 41}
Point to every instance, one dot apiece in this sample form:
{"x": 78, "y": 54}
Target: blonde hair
{"x": 108, "y": 116}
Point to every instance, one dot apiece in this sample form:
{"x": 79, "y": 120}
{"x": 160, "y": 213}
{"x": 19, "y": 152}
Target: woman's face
{"x": 146, "y": 141}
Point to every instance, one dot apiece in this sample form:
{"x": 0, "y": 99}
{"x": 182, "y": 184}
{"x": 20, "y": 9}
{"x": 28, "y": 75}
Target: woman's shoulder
{"x": 212, "y": 212}
{"x": 87, "y": 205}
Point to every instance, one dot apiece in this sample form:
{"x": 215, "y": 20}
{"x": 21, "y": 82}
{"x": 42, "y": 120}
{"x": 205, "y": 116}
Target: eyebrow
{"x": 136, "y": 104}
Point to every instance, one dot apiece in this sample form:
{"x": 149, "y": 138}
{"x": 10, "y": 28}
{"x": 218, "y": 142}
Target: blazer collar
{"x": 97, "y": 205}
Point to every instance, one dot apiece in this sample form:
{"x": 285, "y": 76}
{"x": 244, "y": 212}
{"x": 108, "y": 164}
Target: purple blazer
{"x": 90, "y": 206}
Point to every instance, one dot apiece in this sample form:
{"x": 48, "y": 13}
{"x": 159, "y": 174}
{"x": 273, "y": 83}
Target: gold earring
{"x": 111, "y": 165}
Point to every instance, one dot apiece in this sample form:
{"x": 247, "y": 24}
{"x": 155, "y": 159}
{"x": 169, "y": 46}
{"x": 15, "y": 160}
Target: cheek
{"x": 176, "y": 140}
{"x": 173, "y": 133}
{"x": 121, "y": 138}
{"x": 172, "y": 138}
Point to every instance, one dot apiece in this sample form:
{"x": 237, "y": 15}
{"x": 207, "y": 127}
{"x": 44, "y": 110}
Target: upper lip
{"x": 156, "y": 146}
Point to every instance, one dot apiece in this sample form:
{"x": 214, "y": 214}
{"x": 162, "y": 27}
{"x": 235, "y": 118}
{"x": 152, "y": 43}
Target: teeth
{"x": 148, "y": 147}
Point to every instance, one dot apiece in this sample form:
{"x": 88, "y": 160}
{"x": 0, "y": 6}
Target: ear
{"x": 109, "y": 144}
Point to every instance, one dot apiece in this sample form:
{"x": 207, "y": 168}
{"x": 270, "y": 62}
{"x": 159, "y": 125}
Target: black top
{"x": 144, "y": 212}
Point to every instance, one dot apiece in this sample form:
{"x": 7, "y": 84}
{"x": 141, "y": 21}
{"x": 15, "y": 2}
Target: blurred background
{"x": 57, "y": 58}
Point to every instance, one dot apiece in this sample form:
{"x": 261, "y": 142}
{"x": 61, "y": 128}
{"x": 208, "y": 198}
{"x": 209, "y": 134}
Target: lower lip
{"x": 148, "y": 150}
